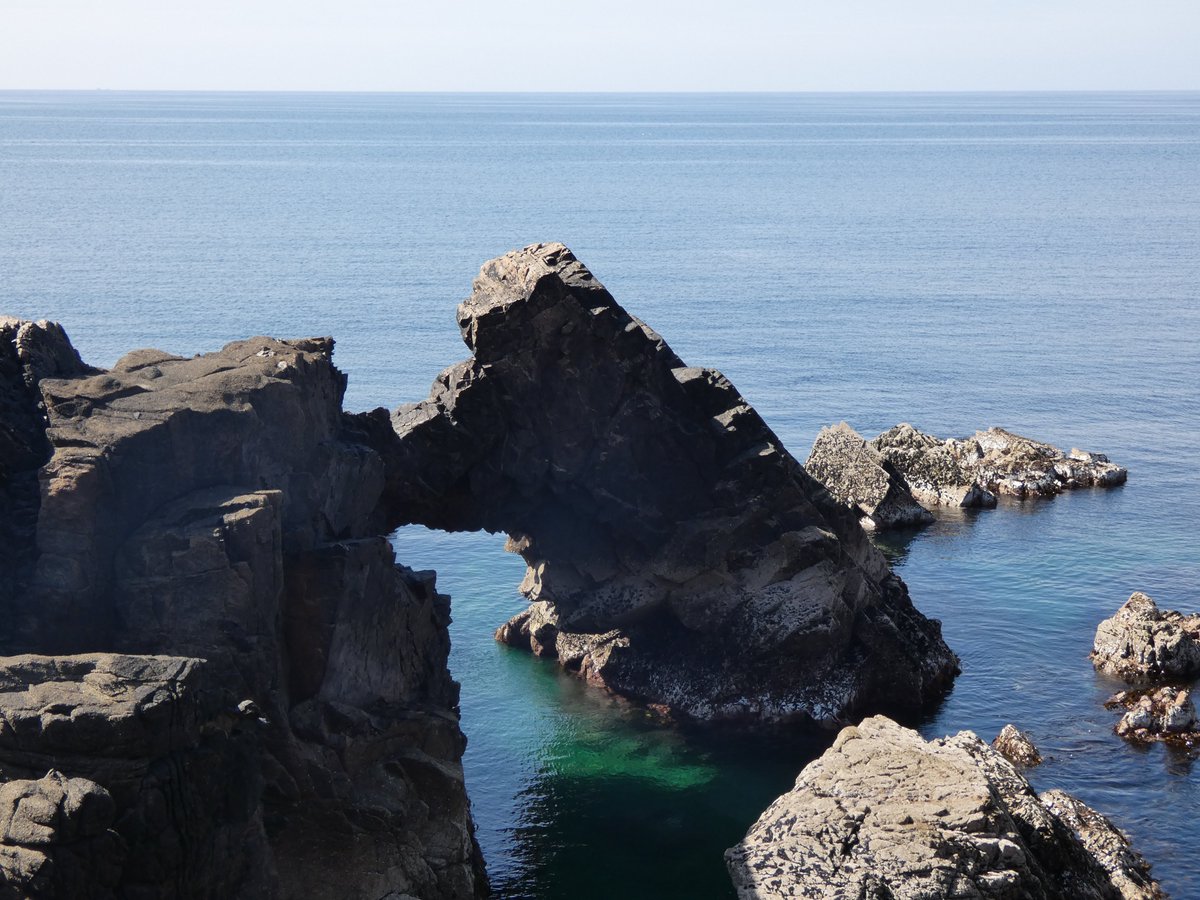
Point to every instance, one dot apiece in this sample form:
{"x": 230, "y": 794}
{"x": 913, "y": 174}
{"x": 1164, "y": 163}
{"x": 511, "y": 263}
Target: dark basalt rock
{"x": 884, "y": 813}
{"x": 677, "y": 554}
{"x": 29, "y": 352}
{"x": 301, "y": 737}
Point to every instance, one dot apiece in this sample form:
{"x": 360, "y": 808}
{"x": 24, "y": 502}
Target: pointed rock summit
{"x": 677, "y": 553}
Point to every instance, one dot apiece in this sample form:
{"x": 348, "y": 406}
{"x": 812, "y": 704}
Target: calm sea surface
{"x": 955, "y": 261}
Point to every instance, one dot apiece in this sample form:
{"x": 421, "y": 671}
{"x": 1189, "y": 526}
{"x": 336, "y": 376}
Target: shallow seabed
{"x": 955, "y": 261}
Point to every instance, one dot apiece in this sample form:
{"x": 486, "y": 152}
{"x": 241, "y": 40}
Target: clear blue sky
{"x": 614, "y": 45}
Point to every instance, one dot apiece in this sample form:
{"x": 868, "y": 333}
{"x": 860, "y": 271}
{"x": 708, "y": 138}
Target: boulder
{"x": 1157, "y": 714}
{"x": 858, "y": 477}
{"x": 973, "y": 471}
{"x": 884, "y": 813}
{"x": 1143, "y": 643}
{"x": 677, "y": 554}
{"x": 1016, "y": 747}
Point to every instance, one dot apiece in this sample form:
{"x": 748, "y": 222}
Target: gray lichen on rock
{"x": 884, "y": 813}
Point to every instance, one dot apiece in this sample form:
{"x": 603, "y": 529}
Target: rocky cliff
{"x": 677, "y": 554}
{"x": 236, "y": 691}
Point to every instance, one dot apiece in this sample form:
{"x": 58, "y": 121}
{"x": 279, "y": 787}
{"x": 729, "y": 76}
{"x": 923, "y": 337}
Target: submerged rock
{"x": 1143, "y": 643}
{"x": 975, "y": 470}
{"x": 271, "y": 713}
{"x": 1016, "y": 747}
{"x": 858, "y": 476}
{"x": 677, "y": 554}
{"x": 884, "y": 813}
{"x": 1160, "y": 714}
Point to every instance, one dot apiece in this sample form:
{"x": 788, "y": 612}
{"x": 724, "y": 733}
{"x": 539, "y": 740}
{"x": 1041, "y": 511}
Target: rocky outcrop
{"x": 1157, "y": 714}
{"x": 975, "y": 470}
{"x": 29, "y": 352}
{"x": 1016, "y": 747}
{"x": 213, "y": 528}
{"x": 858, "y": 477}
{"x": 1143, "y": 643}
{"x": 885, "y": 814}
{"x": 677, "y": 554}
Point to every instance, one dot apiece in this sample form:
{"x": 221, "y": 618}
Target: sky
{"x": 613, "y": 45}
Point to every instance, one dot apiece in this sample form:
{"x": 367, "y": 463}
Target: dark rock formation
{"x": 1157, "y": 714}
{"x": 29, "y": 352}
{"x": 301, "y": 737}
{"x": 974, "y": 470}
{"x": 677, "y": 554}
{"x": 860, "y": 478}
{"x": 1016, "y": 747}
{"x": 1143, "y": 643}
{"x": 885, "y": 814}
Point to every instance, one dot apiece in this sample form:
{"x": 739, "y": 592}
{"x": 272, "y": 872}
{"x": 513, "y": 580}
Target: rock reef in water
{"x": 975, "y": 470}
{"x": 884, "y": 813}
{"x": 677, "y": 554}
{"x": 1157, "y": 714}
{"x": 859, "y": 477}
{"x": 1142, "y": 643}
{"x": 232, "y": 689}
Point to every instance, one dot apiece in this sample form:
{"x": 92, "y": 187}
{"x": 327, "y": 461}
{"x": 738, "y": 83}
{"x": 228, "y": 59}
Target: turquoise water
{"x": 956, "y": 261}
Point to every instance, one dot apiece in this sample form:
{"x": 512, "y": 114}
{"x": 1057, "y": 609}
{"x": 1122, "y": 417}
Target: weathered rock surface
{"x": 859, "y": 477}
{"x": 885, "y": 814}
{"x": 677, "y": 554}
{"x": 1158, "y": 714}
{"x": 1143, "y": 643}
{"x": 975, "y": 470}
{"x": 1016, "y": 747}
{"x": 29, "y": 352}
{"x": 270, "y": 711}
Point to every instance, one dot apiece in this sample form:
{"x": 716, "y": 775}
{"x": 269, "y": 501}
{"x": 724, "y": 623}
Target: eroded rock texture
{"x": 1016, "y": 746}
{"x": 1143, "y": 643}
{"x": 859, "y": 477}
{"x": 975, "y": 470}
{"x": 884, "y": 814}
{"x": 302, "y": 738}
{"x": 29, "y": 352}
{"x": 1157, "y": 714}
{"x": 677, "y": 554}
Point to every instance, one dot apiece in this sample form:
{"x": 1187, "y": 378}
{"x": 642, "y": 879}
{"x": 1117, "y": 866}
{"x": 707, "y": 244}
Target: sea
{"x": 955, "y": 261}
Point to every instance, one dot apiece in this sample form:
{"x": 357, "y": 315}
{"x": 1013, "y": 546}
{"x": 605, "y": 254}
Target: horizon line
{"x": 780, "y": 91}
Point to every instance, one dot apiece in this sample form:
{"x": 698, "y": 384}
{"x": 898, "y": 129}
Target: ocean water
{"x": 955, "y": 261}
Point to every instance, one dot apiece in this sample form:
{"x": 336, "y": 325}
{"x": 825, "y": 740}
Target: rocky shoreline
{"x": 217, "y": 679}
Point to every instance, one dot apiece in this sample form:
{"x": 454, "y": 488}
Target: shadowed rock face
{"x": 677, "y": 554}
{"x": 884, "y": 813}
{"x": 29, "y": 352}
{"x": 300, "y": 738}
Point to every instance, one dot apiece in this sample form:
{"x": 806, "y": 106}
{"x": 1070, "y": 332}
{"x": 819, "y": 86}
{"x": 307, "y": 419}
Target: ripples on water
{"x": 956, "y": 261}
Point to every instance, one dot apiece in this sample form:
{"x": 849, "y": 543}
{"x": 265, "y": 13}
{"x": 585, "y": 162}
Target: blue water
{"x": 955, "y": 261}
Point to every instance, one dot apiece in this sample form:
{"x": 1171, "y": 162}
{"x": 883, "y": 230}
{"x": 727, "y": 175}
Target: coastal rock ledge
{"x": 885, "y": 815}
{"x": 677, "y": 553}
{"x": 1142, "y": 643}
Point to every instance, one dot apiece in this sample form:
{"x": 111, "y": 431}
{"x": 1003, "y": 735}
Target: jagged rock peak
{"x": 884, "y": 813}
{"x": 677, "y": 554}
